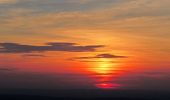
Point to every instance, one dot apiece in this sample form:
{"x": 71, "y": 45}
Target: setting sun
{"x": 104, "y": 66}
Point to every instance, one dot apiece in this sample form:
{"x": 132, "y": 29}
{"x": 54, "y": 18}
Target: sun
{"x": 104, "y": 71}
{"x": 104, "y": 67}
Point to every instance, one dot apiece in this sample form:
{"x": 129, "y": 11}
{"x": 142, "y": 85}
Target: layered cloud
{"x": 52, "y": 46}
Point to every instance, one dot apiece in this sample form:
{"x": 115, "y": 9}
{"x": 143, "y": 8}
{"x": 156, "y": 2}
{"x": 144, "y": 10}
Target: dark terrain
{"x": 83, "y": 95}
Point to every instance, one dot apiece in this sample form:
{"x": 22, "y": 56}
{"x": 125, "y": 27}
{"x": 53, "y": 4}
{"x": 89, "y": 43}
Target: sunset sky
{"x": 106, "y": 44}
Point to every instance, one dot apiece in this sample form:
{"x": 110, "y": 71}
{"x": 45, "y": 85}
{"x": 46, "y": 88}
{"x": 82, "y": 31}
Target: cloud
{"x": 34, "y": 55}
{"x": 5, "y": 68}
{"x": 7, "y": 1}
{"x": 51, "y": 46}
{"x": 94, "y": 61}
{"x": 109, "y": 56}
{"x": 133, "y": 16}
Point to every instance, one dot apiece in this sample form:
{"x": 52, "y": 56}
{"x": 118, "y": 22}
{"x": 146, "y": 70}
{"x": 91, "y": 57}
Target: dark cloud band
{"x": 52, "y": 46}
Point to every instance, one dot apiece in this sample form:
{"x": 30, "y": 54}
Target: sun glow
{"x": 105, "y": 71}
{"x": 105, "y": 66}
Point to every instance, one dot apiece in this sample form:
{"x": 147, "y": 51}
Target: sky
{"x": 105, "y": 44}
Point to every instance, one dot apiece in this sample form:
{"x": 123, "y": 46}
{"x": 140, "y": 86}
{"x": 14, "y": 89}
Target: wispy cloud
{"x": 7, "y": 1}
{"x": 33, "y": 55}
{"x": 52, "y": 46}
{"x": 6, "y": 68}
{"x": 127, "y": 15}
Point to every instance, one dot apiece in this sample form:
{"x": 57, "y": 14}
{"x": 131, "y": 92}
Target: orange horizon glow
{"x": 115, "y": 42}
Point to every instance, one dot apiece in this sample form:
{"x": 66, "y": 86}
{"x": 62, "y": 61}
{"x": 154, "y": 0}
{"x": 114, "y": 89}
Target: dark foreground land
{"x": 83, "y": 95}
